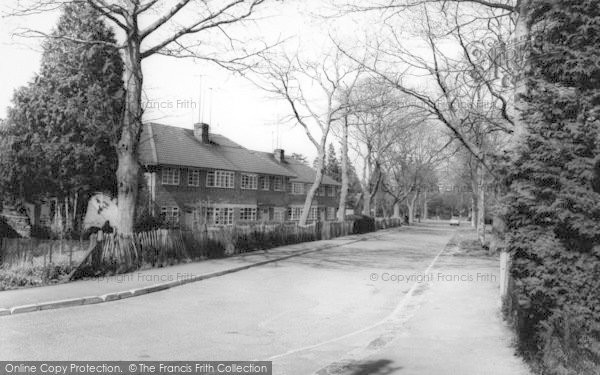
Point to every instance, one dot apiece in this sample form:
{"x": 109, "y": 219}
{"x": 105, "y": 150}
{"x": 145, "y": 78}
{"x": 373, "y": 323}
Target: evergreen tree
{"x": 62, "y": 127}
{"x": 553, "y": 204}
{"x": 333, "y": 165}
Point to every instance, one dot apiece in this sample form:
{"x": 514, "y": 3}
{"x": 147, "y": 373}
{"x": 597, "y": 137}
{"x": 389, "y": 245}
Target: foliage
{"x": 32, "y": 275}
{"x": 553, "y": 200}
{"x": 362, "y": 224}
{"x": 333, "y": 166}
{"x": 62, "y": 126}
{"x": 299, "y": 157}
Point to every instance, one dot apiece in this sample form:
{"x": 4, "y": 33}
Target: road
{"x": 312, "y": 313}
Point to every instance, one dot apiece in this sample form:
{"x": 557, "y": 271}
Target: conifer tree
{"x": 553, "y": 205}
{"x": 62, "y": 127}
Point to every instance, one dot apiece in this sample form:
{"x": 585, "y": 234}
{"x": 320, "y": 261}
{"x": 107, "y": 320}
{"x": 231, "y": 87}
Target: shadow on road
{"x": 374, "y": 367}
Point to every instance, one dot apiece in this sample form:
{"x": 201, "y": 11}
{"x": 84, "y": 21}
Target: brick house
{"x": 196, "y": 177}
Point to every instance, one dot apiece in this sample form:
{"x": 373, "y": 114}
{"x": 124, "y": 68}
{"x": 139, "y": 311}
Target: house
{"x": 195, "y": 177}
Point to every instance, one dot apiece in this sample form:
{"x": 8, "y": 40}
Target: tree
{"x": 378, "y": 119}
{"x": 313, "y": 90}
{"x": 553, "y": 201}
{"x": 332, "y": 167}
{"x": 410, "y": 166}
{"x": 62, "y": 126}
{"x": 149, "y": 28}
{"x": 299, "y": 157}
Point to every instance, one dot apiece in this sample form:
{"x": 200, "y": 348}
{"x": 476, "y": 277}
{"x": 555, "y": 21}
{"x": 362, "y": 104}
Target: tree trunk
{"x": 341, "y": 214}
{"x": 410, "y": 204}
{"x": 481, "y": 203}
{"x": 520, "y": 35}
{"x": 424, "y": 206}
{"x": 396, "y": 210}
{"x": 366, "y": 210}
{"x": 310, "y": 195}
{"x": 473, "y": 210}
{"x": 127, "y": 171}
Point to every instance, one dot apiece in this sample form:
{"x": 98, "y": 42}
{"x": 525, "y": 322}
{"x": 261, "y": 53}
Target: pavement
{"x": 110, "y": 288}
{"x": 398, "y": 302}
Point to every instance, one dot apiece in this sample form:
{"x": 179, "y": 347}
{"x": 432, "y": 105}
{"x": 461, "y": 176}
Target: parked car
{"x": 454, "y": 221}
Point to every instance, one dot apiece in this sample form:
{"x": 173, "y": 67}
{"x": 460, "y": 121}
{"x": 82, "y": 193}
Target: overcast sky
{"x": 234, "y": 106}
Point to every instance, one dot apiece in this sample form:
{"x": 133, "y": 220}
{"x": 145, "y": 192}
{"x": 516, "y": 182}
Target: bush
{"x": 41, "y": 232}
{"x": 362, "y": 224}
{"x": 553, "y": 203}
{"x": 29, "y": 276}
{"x": 146, "y": 222}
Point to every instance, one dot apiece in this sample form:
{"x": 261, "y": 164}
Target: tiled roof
{"x": 303, "y": 172}
{"x": 169, "y": 145}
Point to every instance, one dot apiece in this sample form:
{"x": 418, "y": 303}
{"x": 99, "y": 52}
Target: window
{"x": 170, "y": 176}
{"x": 170, "y": 214}
{"x": 278, "y": 183}
{"x": 321, "y": 191}
{"x": 295, "y": 213}
{"x": 331, "y": 191}
{"x": 264, "y": 183}
{"x": 220, "y": 179}
{"x": 331, "y": 213}
{"x": 279, "y": 214}
{"x": 219, "y": 215}
{"x": 248, "y": 213}
{"x": 193, "y": 177}
{"x": 249, "y": 181}
{"x": 297, "y": 188}
{"x": 313, "y": 214}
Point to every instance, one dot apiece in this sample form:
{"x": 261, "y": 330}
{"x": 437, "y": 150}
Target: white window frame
{"x": 313, "y": 214}
{"x": 331, "y": 211}
{"x": 170, "y": 176}
{"x": 249, "y": 181}
{"x": 264, "y": 183}
{"x": 219, "y": 215}
{"x": 248, "y": 214}
{"x": 170, "y": 214}
{"x": 295, "y": 213}
{"x": 220, "y": 179}
{"x": 331, "y": 191}
{"x": 297, "y": 188}
{"x": 278, "y": 183}
{"x": 193, "y": 177}
{"x": 321, "y": 191}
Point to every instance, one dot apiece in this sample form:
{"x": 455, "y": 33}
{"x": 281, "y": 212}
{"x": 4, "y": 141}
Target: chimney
{"x": 201, "y": 132}
{"x": 279, "y": 155}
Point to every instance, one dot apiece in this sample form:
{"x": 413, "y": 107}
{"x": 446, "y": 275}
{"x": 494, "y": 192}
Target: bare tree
{"x": 316, "y": 93}
{"x": 459, "y": 90}
{"x": 410, "y": 166}
{"x": 378, "y": 119}
{"x": 344, "y": 124}
{"x": 151, "y": 27}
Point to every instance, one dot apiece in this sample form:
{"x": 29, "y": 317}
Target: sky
{"x": 181, "y": 92}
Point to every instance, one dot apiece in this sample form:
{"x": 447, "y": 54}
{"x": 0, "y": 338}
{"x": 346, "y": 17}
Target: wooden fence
{"x": 16, "y": 252}
{"x": 113, "y": 253}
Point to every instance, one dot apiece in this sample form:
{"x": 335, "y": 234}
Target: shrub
{"x": 28, "y": 275}
{"x": 362, "y": 224}
{"x": 553, "y": 202}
